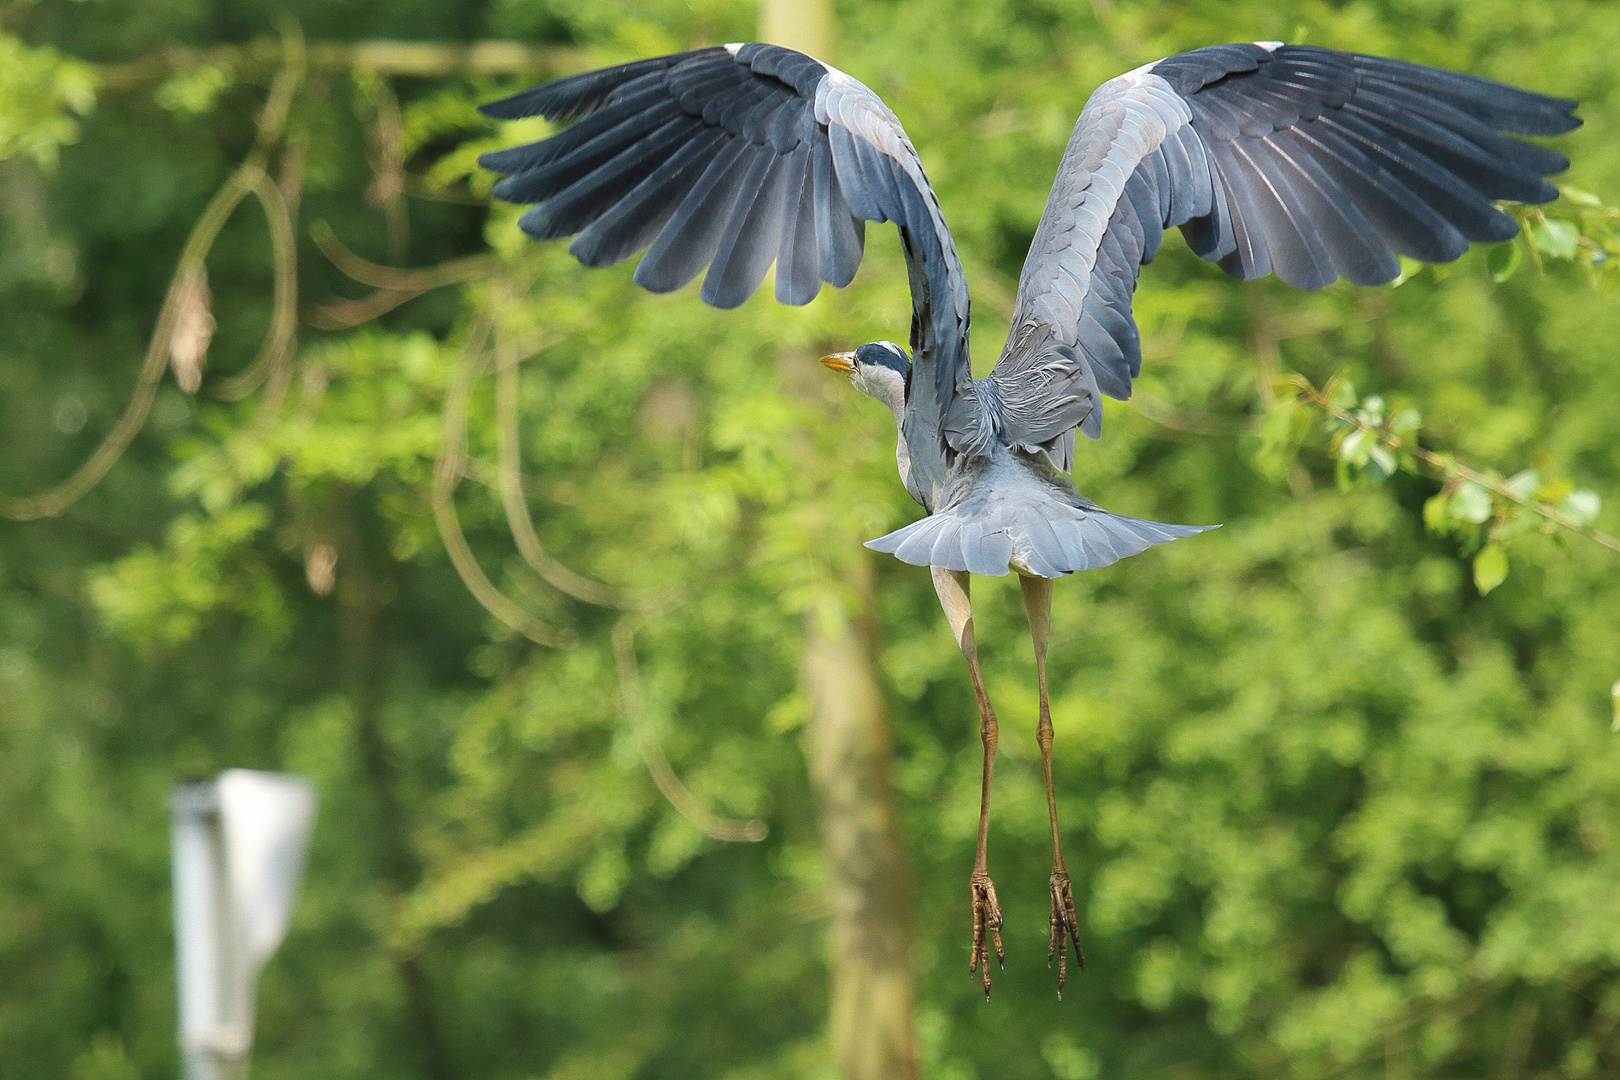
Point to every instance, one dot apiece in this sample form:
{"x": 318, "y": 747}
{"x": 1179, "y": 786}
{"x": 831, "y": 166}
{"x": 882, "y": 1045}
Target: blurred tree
{"x": 1337, "y": 813}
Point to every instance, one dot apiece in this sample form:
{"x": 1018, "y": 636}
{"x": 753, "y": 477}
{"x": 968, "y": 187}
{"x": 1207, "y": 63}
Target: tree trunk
{"x": 869, "y": 880}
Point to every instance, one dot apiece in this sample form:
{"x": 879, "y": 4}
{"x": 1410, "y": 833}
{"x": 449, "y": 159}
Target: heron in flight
{"x": 1305, "y": 162}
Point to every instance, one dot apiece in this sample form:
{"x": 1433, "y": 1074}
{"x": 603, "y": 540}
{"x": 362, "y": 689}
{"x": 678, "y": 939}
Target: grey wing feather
{"x": 1300, "y": 161}
{"x": 733, "y": 158}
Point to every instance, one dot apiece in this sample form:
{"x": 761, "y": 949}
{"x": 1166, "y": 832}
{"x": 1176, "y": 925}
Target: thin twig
{"x": 420, "y": 279}
{"x": 282, "y": 337}
{"x": 418, "y": 59}
{"x": 395, "y": 286}
{"x": 387, "y": 188}
{"x": 510, "y": 481}
{"x": 53, "y": 502}
{"x": 731, "y": 830}
{"x": 1449, "y": 468}
{"x": 1193, "y": 423}
{"x": 446, "y": 472}
{"x": 249, "y": 178}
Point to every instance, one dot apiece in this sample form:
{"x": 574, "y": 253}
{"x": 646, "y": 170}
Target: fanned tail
{"x": 1049, "y": 538}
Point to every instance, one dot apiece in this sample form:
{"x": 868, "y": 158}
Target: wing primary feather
{"x": 753, "y": 234}
{"x": 687, "y": 243}
{"x": 1249, "y": 258}
{"x": 596, "y": 166}
{"x": 796, "y": 259}
{"x": 1359, "y": 253}
{"x": 1466, "y": 209}
{"x": 637, "y": 218}
{"x": 1297, "y": 253}
{"x": 838, "y": 234}
{"x": 1405, "y": 222}
{"x": 622, "y": 116}
{"x": 578, "y": 95}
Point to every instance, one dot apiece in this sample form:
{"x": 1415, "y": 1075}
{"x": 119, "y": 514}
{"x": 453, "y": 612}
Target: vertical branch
{"x": 387, "y": 188}
{"x": 869, "y": 947}
{"x": 872, "y": 985}
{"x": 634, "y": 705}
{"x": 446, "y": 473}
{"x": 509, "y": 478}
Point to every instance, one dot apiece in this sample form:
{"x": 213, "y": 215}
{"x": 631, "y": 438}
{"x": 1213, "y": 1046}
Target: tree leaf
{"x": 1504, "y": 261}
{"x": 1556, "y": 238}
{"x": 1471, "y": 503}
{"x": 1437, "y": 513}
{"x": 1490, "y": 568}
{"x": 1582, "y": 505}
{"x": 1524, "y": 483}
{"x": 1579, "y": 197}
{"x": 1380, "y": 462}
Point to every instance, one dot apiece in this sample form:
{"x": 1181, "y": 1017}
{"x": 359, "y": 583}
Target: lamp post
{"x": 238, "y": 851}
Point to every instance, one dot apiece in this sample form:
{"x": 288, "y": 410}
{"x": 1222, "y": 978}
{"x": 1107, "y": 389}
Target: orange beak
{"x": 841, "y": 362}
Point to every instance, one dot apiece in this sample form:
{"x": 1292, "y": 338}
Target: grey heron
{"x": 1305, "y": 162}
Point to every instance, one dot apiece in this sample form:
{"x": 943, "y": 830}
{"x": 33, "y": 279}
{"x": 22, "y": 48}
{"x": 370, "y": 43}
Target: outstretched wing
{"x": 734, "y": 157}
{"x": 1307, "y": 162}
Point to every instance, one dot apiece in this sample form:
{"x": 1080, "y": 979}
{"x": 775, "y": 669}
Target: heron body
{"x": 1305, "y": 162}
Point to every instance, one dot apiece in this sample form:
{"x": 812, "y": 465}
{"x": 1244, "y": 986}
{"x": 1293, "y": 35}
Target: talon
{"x": 1065, "y": 929}
{"x": 987, "y": 926}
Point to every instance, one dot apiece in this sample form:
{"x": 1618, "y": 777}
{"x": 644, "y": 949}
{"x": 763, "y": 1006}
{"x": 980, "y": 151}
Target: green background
{"x": 1330, "y": 811}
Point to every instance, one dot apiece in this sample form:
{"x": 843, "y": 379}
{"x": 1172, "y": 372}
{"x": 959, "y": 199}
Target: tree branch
{"x": 446, "y": 472}
{"x": 1449, "y": 468}
{"x": 418, "y": 59}
{"x": 732, "y": 830}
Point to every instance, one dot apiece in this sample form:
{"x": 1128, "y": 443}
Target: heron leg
{"x": 952, "y": 588}
{"x": 1065, "y": 929}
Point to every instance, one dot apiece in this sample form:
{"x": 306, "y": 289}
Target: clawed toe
{"x": 986, "y": 927}
{"x": 1065, "y": 929}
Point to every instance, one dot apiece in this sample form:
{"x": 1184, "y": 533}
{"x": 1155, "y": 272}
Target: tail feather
{"x": 1048, "y": 539}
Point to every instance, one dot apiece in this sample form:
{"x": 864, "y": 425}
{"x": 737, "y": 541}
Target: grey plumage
{"x": 1300, "y": 161}
{"x": 1303, "y": 162}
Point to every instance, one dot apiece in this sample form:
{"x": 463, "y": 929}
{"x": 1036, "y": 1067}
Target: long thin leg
{"x": 952, "y": 587}
{"x": 1065, "y": 929}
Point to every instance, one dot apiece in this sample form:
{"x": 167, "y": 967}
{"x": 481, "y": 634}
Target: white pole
{"x": 238, "y": 849}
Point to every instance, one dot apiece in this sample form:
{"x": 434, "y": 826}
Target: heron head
{"x": 878, "y": 369}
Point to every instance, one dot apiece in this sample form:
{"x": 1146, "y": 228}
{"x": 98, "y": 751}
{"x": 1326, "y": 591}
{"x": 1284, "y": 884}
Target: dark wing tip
{"x": 574, "y": 96}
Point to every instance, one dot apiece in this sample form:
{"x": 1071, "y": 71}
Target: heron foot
{"x": 987, "y": 925}
{"x": 1065, "y": 929}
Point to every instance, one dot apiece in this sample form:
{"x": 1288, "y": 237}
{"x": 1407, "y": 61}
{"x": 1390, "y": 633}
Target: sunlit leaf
{"x": 195, "y": 92}
{"x": 1409, "y": 269}
{"x": 1490, "y": 568}
{"x": 1578, "y": 196}
{"x": 1437, "y": 512}
{"x": 1471, "y": 503}
{"x": 1380, "y": 462}
{"x": 1343, "y": 394}
{"x": 1524, "y": 483}
{"x": 1582, "y": 505}
{"x": 1555, "y": 238}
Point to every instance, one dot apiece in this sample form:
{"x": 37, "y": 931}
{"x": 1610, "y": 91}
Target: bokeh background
{"x": 1334, "y": 806}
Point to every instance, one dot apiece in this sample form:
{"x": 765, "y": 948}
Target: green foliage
{"x": 1330, "y": 810}
{"x": 41, "y": 92}
{"x": 161, "y": 598}
{"x": 1481, "y": 508}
